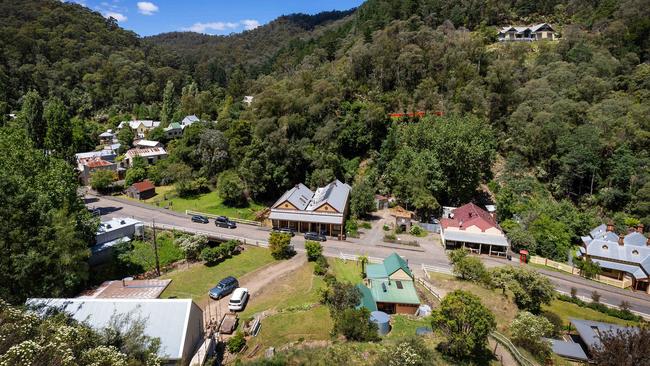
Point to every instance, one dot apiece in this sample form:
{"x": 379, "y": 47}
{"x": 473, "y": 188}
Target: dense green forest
{"x": 555, "y": 132}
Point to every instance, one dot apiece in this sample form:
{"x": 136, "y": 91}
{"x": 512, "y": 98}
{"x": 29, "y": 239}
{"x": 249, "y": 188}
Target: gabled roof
{"x": 635, "y": 239}
{"x": 334, "y": 194}
{"x": 390, "y": 265}
{"x": 144, "y": 152}
{"x": 166, "y": 319}
{"x": 96, "y": 163}
{"x": 394, "y": 291}
{"x": 299, "y": 196}
{"x": 173, "y": 126}
{"x": 539, "y": 26}
{"x": 188, "y": 120}
{"x": 143, "y": 186}
{"x": 470, "y": 215}
{"x": 147, "y": 123}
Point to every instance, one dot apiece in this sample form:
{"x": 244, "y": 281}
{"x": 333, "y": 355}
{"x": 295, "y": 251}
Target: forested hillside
{"x": 558, "y": 131}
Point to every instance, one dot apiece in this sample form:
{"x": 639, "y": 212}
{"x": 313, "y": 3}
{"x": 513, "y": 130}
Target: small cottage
{"x": 141, "y": 190}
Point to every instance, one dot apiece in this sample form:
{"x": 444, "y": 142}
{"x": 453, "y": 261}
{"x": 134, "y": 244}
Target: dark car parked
{"x": 223, "y": 288}
{"x": 223, "y": 221}
{"x": 200, "y": 219}
{"x": 315, "y": 236}
{"x": 284, "y": 230}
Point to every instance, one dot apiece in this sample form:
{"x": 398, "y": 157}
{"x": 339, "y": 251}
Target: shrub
{"x": 314, "y": 250}
{"x": 101, "y": 180}
{"x": 470, "y": 269}
{"x": 355, "y": 325}
{"x": 319, "y": 270}
{"x": 411, "y": 351}
{"x": 555, "y": 320}
{"x": 236, "y": 342}
{"x": 390, "y": 237}
{"x": 231, "y": 189}
{"x": 230, "y": 248}
{"x": 365, "y": 225}
{"x": 529, "y": 330}
{"x": 212, "y": 256}
{"x": 280, "y": 245}
{"x": 416, "y": 230}
{"x": 340, "y": 296}
{"x": 617, "y": 313}
{"x": 192, "y": 245}
{"x": 386, "y": 227}
{"x": 588, "y": 269}
{"x": 595, "y": 296}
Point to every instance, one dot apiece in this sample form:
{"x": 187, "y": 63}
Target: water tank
{"x": 382, "y": 320}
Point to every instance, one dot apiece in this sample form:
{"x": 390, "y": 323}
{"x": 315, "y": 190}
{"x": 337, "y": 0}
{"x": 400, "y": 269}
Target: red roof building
{"x": 472, "y": 227}
{"x": 141, "y": 190}
{"x": 470, "y": 215}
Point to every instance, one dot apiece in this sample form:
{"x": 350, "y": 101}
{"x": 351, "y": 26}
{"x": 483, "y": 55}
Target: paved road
{"x": 429, "y": 253}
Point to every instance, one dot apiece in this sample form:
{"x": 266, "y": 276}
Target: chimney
{"x": 639, "y": 228}
{"x": 621, "y": 239}
{"x": 610, "y": 226}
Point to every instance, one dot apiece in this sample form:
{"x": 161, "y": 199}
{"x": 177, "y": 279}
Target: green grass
{"x": 209, "y": 203}
{"x": 404, "y": 325}
{"x": 143, "y": 254}
{"x": 196, "y": 280}
{"x": 568, "y": 310}
{"x": 346, "y": 271}
{"x": 279, "y": 329}
{"x": 299, "y": 288}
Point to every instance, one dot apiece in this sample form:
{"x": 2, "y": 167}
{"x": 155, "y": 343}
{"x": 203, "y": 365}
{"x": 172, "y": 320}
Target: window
{"x": 605, "y": 247}
{"x": 399, "y": 285}
{"x": 635, "y": 252}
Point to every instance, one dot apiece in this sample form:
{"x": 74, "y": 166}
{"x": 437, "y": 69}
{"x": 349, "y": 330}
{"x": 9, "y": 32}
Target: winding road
{"x": 429, "y": 253}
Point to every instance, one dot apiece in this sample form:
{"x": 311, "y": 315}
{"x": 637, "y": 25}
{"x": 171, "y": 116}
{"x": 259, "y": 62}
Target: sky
{"x": 205, "y": 16}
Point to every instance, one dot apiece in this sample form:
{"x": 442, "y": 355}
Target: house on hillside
{"x": 537, "y": 32}
{"x": 141, "y": 190}
{"x": 107, "y": 154}
{"x": 578, "y": 346}
{"x": 147, "y": 143}
{"x": 177, "y": 323}
{"x": 107, "y": 137}
{"x": 323, "y": 210}
{"x": 174, "y": 130}
{"x": 139, "y": 127}
{"x": 88, "y": 166}
{"x": 389, "y": 287}
{"x": 472, "y": 227}
{"x": 151, "y": 155}
{"x": 248, "y": 100}
{"x": 189, "y": 120}
{"x": 624, "y": 257}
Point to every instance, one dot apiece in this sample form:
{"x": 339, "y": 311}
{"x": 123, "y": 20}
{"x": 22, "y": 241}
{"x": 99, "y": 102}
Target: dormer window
{"x": 635, "y": 252}
{"x": 605, "y": 247}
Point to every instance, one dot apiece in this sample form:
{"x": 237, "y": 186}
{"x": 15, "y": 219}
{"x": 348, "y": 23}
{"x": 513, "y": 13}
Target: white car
{"x": 238, "y": 299}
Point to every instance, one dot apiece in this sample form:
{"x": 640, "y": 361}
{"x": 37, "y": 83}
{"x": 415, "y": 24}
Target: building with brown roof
{"x": 472, "y": 227}
{"x": 141, "y": 190}
{"x": 87, "y": 166}
{"x": 149, "y": 154}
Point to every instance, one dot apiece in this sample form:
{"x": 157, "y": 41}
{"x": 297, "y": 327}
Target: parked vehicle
{"x": 238, "y": 299}
{"x": 223, "y": 288}
{"x": 315, "y": 236}
{"x": 223, "y": 221}
{"x": 284, "y": 230}
{"x": 200, "y": 219}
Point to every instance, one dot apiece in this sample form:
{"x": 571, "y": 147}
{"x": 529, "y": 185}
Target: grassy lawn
{"x": 196, "y": 280}
{"x": 300, "y": 288}
{"x": 144, "y": 256}
{"x": 279, "y": 329}
{"x": 346, "y": 271}
{"x": 209, "y": 203}
{"x": 405, "y": 325}
{"x": 568, "y": 310}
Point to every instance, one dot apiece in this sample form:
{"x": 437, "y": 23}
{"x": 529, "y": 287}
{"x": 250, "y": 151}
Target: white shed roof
{"x": 166, "y": 319}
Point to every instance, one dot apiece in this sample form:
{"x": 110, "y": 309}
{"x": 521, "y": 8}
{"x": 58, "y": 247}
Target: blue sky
{"x": 206, "y": 16}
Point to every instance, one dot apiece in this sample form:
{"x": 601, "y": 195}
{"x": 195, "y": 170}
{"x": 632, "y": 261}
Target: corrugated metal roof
{"x": 568, "y": 349}
{"x": 366, "y": 300}
{"x": 188, "y": 120}
{"x": 478, "y": 238}
{"x": 166, "y": 319}
{"x": 298, "y": 196}
{"x": 306, "y": 216}
{"x": 335, "y": 194}
{"x": 633, "y": 270}
{"x": 590, "y": 331}
{"x": 626, "y": 253}
{"x": 635, "y": 239}
{"x": 394, "y": 294}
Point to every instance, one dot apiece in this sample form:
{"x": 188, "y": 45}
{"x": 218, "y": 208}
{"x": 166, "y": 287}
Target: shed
{"x": 141, "y": 190}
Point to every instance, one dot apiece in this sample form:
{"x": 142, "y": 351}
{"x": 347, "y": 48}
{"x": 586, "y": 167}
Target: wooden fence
{"x": 624, "y": 283}
{"x": 504, "y": 341}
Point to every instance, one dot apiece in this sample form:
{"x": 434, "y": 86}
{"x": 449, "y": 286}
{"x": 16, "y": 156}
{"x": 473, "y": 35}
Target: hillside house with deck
{"x": 323, "y": 210}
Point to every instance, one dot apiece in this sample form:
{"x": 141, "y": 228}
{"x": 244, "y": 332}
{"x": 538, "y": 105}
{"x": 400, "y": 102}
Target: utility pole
{"x": 155, "y": 248}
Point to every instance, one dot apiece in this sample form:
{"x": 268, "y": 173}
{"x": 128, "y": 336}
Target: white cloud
{"x": 212, "y": 26}
{"x": 250, "y": 24}
{"x": 115, "y": 15}
{"x": 246, "y": 24}
{"x": 147, "y": 8}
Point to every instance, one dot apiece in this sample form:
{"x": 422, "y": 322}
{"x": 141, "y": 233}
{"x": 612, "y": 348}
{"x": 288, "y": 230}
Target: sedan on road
{"x": 223, "y": 288}
{"x": 223, "y": 221}
{"x": 284, "y": 230}
{"x": 315, "y": 236}
{"x": 200, "y": 219}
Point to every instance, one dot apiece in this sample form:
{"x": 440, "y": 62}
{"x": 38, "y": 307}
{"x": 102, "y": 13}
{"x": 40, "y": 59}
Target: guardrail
{"x": 503, "y": 340}
{"x": 212, "y": 216}
{"x": 218, "y": 236}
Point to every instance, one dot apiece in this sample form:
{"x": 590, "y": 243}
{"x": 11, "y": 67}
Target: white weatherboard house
{"x": 178, "y": 323}
{"x": 537, "y": 32}
{"x": 322, "y": 211}
{"x": 140, "y": 127}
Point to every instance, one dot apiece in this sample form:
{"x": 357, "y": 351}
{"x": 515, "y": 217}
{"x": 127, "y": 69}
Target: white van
{"x": 238, "y": 299}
